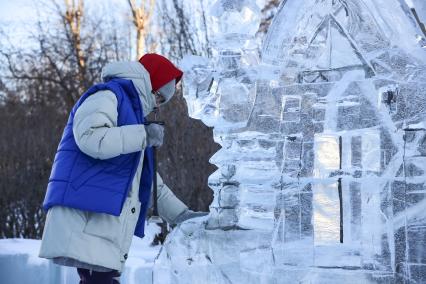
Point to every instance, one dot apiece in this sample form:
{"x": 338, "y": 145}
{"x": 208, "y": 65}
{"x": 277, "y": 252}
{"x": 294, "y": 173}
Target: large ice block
{"x": 321, "y": 175}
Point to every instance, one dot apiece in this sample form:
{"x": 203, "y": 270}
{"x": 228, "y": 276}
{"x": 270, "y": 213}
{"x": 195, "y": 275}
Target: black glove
{"x": 154, "y": 135}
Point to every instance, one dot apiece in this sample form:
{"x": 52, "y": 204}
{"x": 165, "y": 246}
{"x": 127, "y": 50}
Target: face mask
{"x": 165, "y": 93}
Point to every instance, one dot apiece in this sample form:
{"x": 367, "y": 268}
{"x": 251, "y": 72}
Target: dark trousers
{"x": 93, "y": 277}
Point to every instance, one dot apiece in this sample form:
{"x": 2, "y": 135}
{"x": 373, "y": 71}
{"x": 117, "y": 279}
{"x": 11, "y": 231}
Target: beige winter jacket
{"x": 100, "y": 241}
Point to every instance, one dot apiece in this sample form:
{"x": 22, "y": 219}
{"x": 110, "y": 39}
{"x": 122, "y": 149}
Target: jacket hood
{"x": 134, "y": 71}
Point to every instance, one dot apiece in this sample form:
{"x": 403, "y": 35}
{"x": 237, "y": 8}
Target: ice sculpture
{"x": 321, "y": 174}
{"x": 420, "y": 7}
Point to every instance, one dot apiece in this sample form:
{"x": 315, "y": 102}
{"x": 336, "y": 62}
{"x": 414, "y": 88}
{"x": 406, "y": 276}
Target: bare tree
{"x": 38, "y": 86}
{"x": 68, "y": 51}
{"x": 72, "y": 22}
{"x": 180, "y": 34}
{"x": 29, "y": 133}
{"x": 142, "y": 15}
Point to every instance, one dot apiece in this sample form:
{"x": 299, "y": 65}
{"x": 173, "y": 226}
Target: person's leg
{"x": 93, "y": 277}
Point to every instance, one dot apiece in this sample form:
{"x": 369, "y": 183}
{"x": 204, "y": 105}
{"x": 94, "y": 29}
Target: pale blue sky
{"x": 18, "y": 16}
{"x": 20, "y": 10}
{"x": 16, "y": 10}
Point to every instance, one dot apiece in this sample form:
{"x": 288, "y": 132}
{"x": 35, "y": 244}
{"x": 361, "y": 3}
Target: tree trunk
{"x": 141, "y": 18}
{"x": 73, "y": 18}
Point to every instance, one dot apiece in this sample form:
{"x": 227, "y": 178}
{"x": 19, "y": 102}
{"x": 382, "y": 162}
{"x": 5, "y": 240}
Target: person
{"x": 100, "y": 185}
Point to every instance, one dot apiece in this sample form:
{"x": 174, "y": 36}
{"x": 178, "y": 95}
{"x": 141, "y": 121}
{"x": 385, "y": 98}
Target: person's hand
{"x": 189, "y": 214}
{"x": 154, "y": 135}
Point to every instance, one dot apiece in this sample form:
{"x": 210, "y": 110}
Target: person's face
{"x": 159, "y": 98}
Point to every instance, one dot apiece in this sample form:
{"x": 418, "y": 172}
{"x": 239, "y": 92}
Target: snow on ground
{"x": 20, "y": 264}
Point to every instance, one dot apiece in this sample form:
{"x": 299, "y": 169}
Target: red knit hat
{"x": 160, "y": 69}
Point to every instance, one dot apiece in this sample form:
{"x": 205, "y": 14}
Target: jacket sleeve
{"x": 169, "y": 206}
{"x": 95, "y": 128}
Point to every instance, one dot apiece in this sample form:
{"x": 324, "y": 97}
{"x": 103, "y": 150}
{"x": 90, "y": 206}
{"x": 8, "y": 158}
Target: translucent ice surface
{"x": 321, "y": 176}
{"x": 420, "y": 7}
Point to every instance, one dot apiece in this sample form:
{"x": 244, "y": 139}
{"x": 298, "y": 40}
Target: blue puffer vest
{"x": 82, "y": 182}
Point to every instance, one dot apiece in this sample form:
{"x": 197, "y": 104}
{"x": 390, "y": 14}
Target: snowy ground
{"x": 20, "y": 264}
